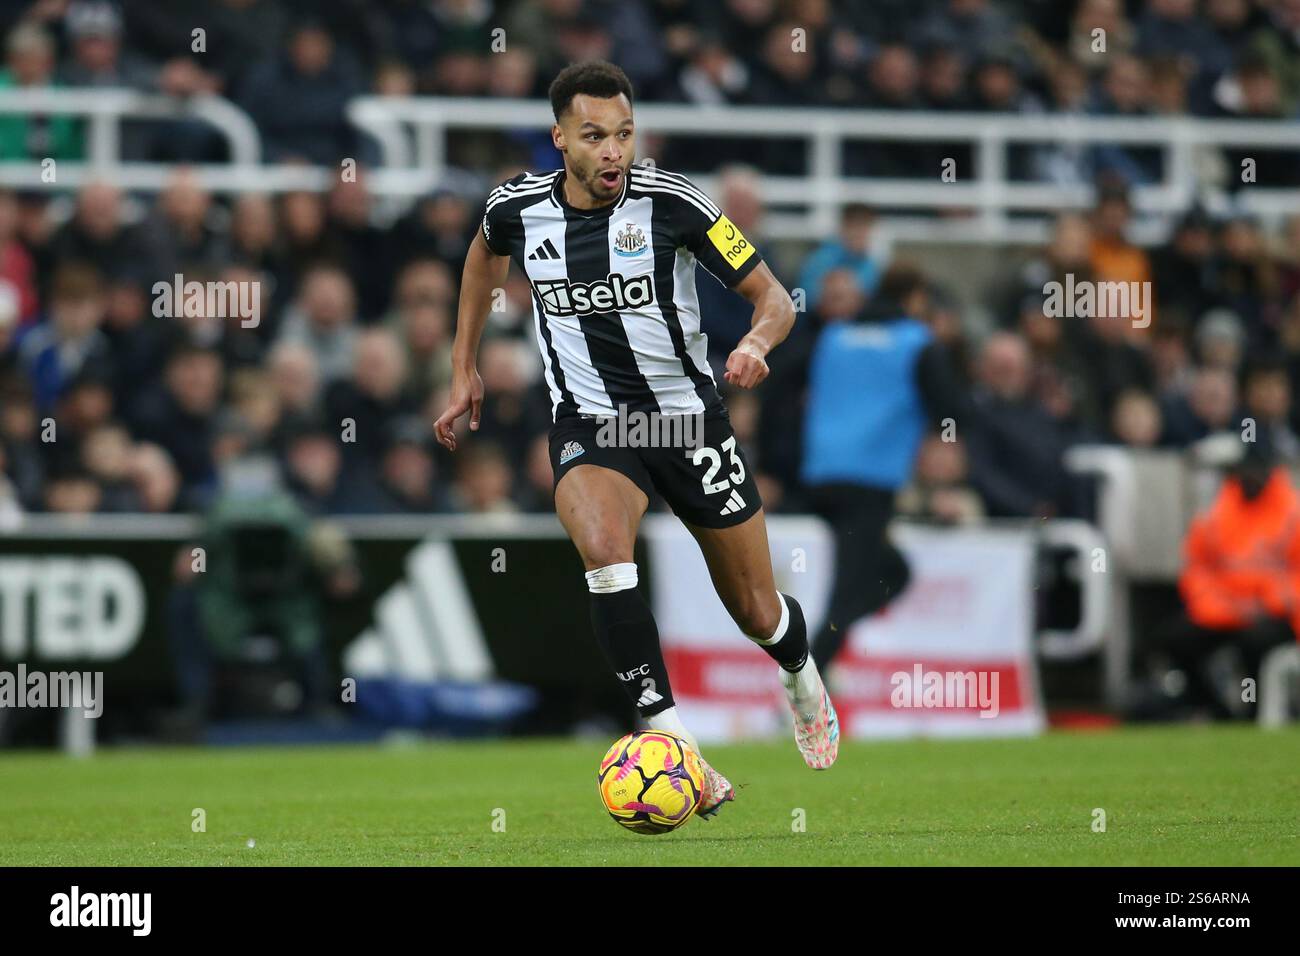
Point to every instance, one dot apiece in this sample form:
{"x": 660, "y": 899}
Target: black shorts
{"x": 703, "y": 475}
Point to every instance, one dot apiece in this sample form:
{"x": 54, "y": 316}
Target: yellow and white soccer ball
{"x": 651, "y": 781}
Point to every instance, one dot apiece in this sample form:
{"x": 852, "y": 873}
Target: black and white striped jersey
{"x": 614, "y": 302}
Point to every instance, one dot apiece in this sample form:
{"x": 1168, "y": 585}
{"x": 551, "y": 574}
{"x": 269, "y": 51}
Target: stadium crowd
{"x": 107, "y": 406}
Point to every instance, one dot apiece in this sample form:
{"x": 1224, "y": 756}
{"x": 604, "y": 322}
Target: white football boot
{"x": 816, "y": 726}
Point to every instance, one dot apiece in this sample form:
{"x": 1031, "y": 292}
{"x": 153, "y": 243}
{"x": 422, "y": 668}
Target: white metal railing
{"x": 412, "y": 133}
{"x": 105, "y": 109}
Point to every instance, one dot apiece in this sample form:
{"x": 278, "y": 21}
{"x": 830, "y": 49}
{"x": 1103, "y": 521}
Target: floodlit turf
{"x": 1171, "y": 795}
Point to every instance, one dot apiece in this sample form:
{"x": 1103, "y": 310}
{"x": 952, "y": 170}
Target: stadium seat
{"x": 1279, "y": 686}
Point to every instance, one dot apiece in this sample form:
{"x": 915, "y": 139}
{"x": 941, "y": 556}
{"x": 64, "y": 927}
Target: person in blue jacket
{"x": 876, "y": 384}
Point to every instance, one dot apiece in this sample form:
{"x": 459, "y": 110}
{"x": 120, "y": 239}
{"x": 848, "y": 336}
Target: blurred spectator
{"x": 786, "y": 76}
{"x": 893, "y": 83}
{"x": 19, "y": 435}
{"x": 86, "y": 405}
{"x": 373, "y": 396}
{"x": 1060, "y": 378}
{"x": 407, "y": 471}
{"x": 1068, "y": 253}
{"x": 940, "y": 493}
{"x": 1111, "y": 360}
{"x": 324, "y": 320}
{"x": 1241, "y": 578}
{"x": 365, "y": 248}
{"x": 422, "y": 321}
{"x": 1247, "y": 280}
{"x": 943, "y": 80}
{"x": 156, "y": 480}
{"x": 1206, "y": 409}
{"x": 17, "y": 266}
{"x": 1113, "y": 256}
{"x": 1183, "y": 270}
{"x": 1267, "y": 394}
{"x": 998, "y": 88}
{"x": 875, "y": 385}
{"x": 1135, "y": 420}
{"x": 295, "y": 376}
{"x": 94, "y": 31}
{"x": 255, "y": 412}
{"x": 1125, "y": 91}
{"x": 1172, "y": 27}
{"x": 180, "y": 415}
{"x": 1171, "y": 357}
{"x": 72, "y": 492}
{"x": 313, "y": 471}
{"x": 106, "y": 456}
{"x": 483, "y": 480}
{"x": 780, "y": 439}
{"x": 181, "y": 235}
{"x": 1254, "y": 90}
{"x": 1232, "y": 22}
{"x": 98, "y": 234}
{"x": 298, "y": 99}
{"x": 138, "y": 340}
{"x": 510, "y": 414}
{"x": 1016, "y": 450}
{"x": 11, "y": 505}
{"x": 1278, "y": 46}
{"x": 439, "y": 227}
{"x": 850, "y": 251}
{"x": 971, "y": 26}
{"x": 725, "y": 316}
{"x": 29, "y": 64}
{"x": 1094, "y": 20}
{"x": 1168, "y": 87}
{"x": 538, "y": 493}
{"x": 10, "y": 366}
{"x": 306, "y": 240}
{"x": 70, "y": 342}
{"x": 1220, "y": 339}
{"x": 714, "y": 75}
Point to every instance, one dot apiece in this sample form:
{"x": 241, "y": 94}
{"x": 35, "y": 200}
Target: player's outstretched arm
{"x": 773, "y": 319}
{"x": 485, "y": 272}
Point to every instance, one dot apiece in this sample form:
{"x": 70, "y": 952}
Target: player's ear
{"x": 557, "y": 137}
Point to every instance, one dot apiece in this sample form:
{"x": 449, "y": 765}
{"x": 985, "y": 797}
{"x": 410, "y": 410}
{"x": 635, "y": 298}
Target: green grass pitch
{"x": 1171, "y": 795}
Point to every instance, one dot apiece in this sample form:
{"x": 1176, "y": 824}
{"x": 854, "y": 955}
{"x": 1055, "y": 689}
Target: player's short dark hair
{"x": 597, "y": 78}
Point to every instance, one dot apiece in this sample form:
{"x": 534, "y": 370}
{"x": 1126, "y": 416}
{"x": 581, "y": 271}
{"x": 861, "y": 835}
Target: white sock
{"x": 805, "y": 686}
{"x": 670, "y": 723}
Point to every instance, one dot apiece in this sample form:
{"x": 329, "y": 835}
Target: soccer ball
{"x": 651, "y": 781}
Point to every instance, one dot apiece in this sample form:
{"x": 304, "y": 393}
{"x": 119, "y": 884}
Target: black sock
{"x": 791, "y": 651}
{"x": 626, "y": 631}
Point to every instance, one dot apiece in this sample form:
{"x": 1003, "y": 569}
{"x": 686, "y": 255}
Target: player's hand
{"x": 745, "y": 366}
{"x": 466, "y": 396}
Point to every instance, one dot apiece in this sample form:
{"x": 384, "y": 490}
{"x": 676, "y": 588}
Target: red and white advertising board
{"x": 951, "y": 657}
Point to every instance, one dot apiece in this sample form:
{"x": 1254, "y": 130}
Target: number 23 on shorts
{"x": 714, "y": 459}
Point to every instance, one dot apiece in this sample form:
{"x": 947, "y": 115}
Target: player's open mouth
{"x": 610, "y": 177}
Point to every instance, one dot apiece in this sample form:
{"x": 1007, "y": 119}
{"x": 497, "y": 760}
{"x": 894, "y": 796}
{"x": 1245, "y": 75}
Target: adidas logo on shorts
{"x": 570, "y": 451}
{"x": 734, "y": 503}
